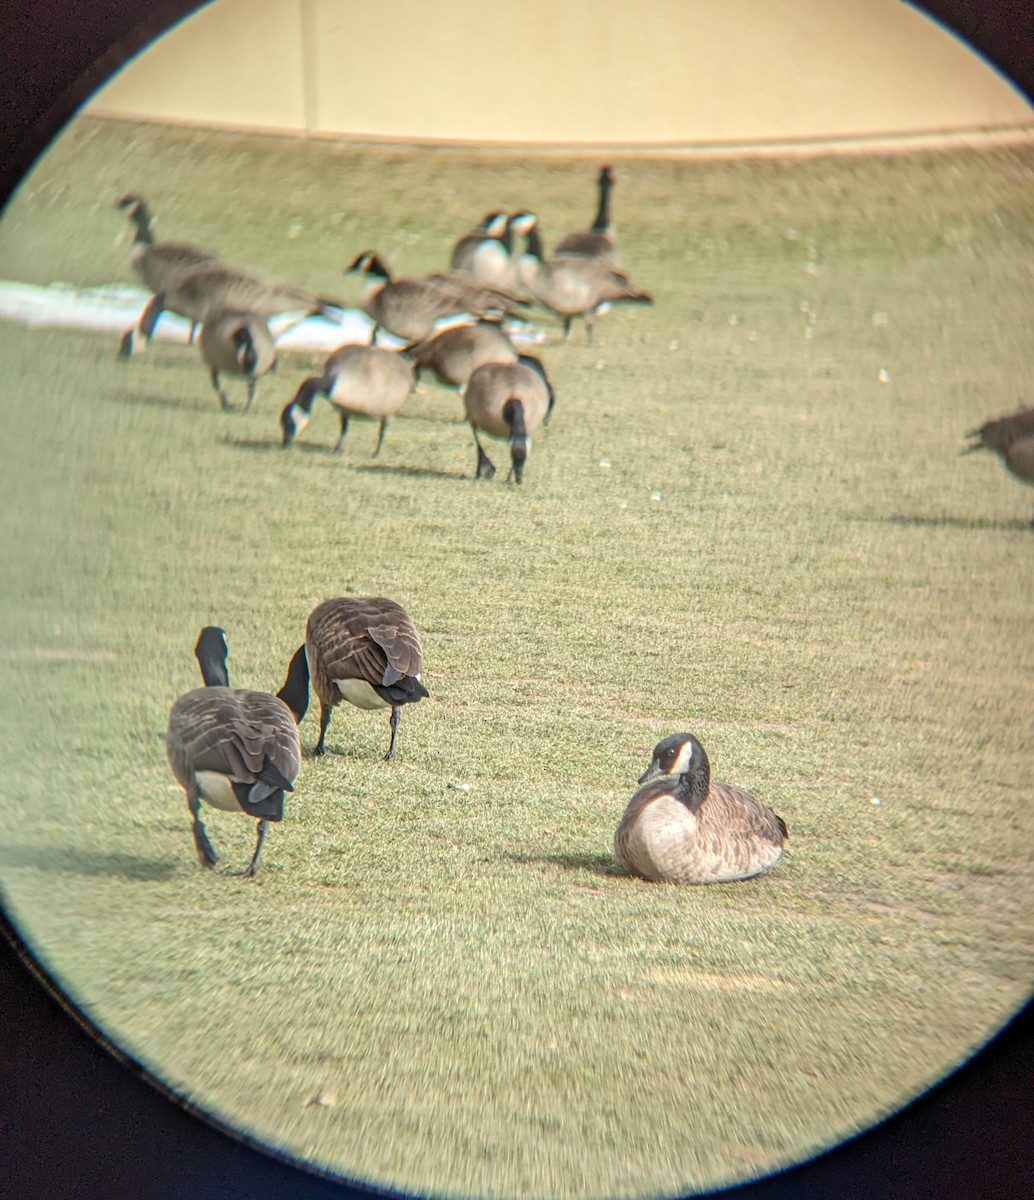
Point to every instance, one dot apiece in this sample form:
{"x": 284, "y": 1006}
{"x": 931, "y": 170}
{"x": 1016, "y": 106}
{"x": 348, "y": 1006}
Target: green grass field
{"x": 458, "y": 992}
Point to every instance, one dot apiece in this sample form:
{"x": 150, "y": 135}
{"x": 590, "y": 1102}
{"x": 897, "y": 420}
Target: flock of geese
{"x": 507, "y": 394}
{"x": 239, "y": 750}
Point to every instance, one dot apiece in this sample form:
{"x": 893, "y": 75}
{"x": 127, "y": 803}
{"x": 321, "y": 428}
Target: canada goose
{"x": 409, "y": 308}
{"x": 235, "y": 749}
{"x": 218, "y": 285}
{"x": 480, "y": 252}
{"x": 682, "y": 828}
{"x": 573, "y": 287}
{"x": 1012, "y": 439}
{"x": 599, "y": 241}
{"x": 159, "y": 264}
{"x": 239, "y": 343}
{"x": 359, "y": 381}
{"x": 455, "y": 352}
{"x": 363, "y": 649}
{"x": 506, "y": 400}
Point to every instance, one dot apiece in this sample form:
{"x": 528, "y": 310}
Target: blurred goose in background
{"x": 681, "y": 827}
{"x": 235, "y": 749}
{"x": 159, "y": 264}
{"x": 196, "y": 293}
{"x": 409, "y": 308}
{"x": 1012, "y": 439}
{"x": 482, "y": 249}
{"x": 363, "y": 649}
{"x": 359, "y": 381}
{"x": 491, "y": 260}
{"x": 506, "y": 400}
{"x": 599, "y": 242}
{"x": 240, "y": 344}
{"x": 573, "y": 287}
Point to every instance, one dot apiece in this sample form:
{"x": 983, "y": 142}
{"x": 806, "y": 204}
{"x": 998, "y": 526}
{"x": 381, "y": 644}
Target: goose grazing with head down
{"x": 682, "y": 828}
{"x": 599, "y": 241}
{"x": 159, "y": 264}
{"x": 1012, "y": 439}
{"x": 359, "y": 381}
{"x": 235, "y": 749}
{"x": 363, "y": 649}
{"x": 507, "y": 400}
{"x": 572, "y": 286}
{"x": 239, "y": 343}
{"x": 409, "y": 308}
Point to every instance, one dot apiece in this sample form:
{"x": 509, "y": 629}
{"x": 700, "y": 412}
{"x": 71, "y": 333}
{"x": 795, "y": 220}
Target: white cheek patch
{"x": 217, "y": 791}
{"x": 359, "y": 693}
{"x": 681, "y": 764}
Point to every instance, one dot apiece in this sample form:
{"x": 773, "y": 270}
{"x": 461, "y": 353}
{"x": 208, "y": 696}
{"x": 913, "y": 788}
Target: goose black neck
{"x": 602, "y": 221}
{"x": 141, "y": 217}
{"x": 307, "y": 393}
{"x": 295, "y": 692}
{"x": 693, "y": 786}
{"x": 211, "y": 652}
{"x": 533, "y": 242}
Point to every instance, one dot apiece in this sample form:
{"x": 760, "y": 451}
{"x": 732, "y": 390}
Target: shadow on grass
{"x": 585, "y": 860}
{"x": 67, "y": 860}
{"x": 923, "y": 520}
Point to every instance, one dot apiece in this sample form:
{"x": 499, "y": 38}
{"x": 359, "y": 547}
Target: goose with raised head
{"x": 1012, "y": 439}
{"x": 510, "y": 401}
{"x": 483, "y": 249}
{"x": 681, "y": 827}
{"x": 409, "y": 308}
{"x": 599, "y": 242}
{"x": 573, "y": 287}
{"x": 358, "y": 381}
{"x": 235, "y": 749}
{"x": 363, "y": 649}
{"x": 238, "y": 343}
{"x": 158, "y": 264}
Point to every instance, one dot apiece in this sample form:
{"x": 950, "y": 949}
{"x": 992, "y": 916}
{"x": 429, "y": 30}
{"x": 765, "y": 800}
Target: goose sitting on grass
{"x": 680, "y": 827}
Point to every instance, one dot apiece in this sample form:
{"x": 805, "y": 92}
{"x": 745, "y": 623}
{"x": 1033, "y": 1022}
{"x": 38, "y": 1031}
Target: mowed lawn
{"x": 748, "y": 518}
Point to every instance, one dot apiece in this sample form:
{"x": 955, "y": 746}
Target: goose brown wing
{"x": 235, "y": 732}
{"x": 371, "y": 638}
{"x": 741, "y": 814}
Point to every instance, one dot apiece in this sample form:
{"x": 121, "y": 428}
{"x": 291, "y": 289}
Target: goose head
{"x": 369, "y": 264}
{"x": 683, "y": 757}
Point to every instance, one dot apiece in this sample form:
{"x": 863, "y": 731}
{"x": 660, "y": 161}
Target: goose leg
{"x": 395, "y": 714}
{"x": 567, "y": 328}
{"x": 205, "y": 850}
{"x": 125, "y": 348}
{"x": 251, "y": 394}
{"x": 192, "y": 334}
{"x": 149, "y": 317}
{"x": 219, "y": 391}
{"x": 380, "y": 436}
{"x": 486, "y": 468}
{"x": 325, "y": 712}
{"x": 344, "y": 429}
{"x": 588, "y": 329}
{"x": 252, "y": 867}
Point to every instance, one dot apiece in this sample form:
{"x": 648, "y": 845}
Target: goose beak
{"x": 651, "y": 772}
